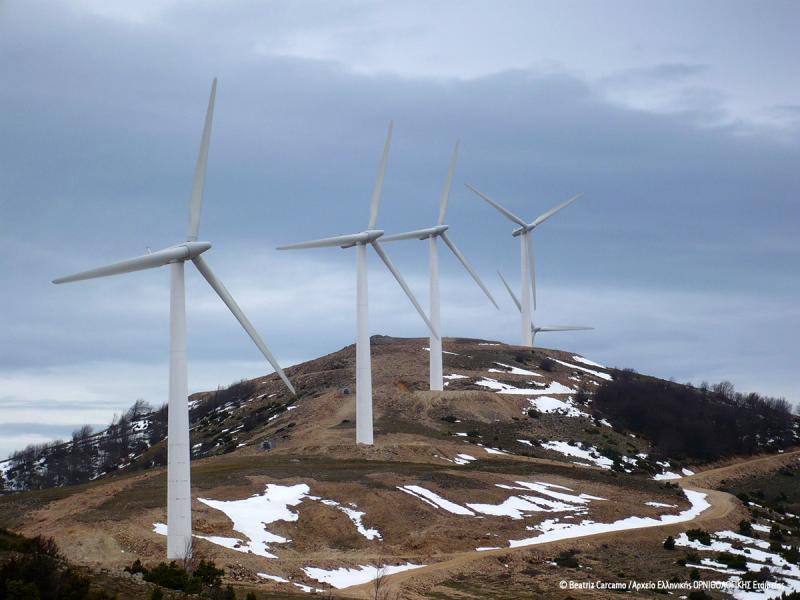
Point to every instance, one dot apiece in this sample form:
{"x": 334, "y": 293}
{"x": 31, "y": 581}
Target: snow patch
{"x": 346, "y": 577}
{"x": 548, "y": 404}
{"x": 512, "y": 370}
{"x": 505, "y": 388}
{"x": 589, "y": 454}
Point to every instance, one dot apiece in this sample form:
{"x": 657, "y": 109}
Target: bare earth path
{"x": 723, "y": 505}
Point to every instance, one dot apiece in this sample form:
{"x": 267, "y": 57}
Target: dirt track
{"x": 723, "y": 506}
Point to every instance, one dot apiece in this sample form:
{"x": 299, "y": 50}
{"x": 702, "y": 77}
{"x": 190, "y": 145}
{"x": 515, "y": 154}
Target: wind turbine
{"x": 528, "y": 266}
{"x": 432, "y": 234}
{"x": 534, "y": 329}
{"x": 361, "y": 240}
{"x": 179, "y": 500}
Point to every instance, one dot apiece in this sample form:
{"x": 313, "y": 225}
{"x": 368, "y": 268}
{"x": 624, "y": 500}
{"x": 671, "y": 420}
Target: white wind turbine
{"x": 527, "y": 263}
{"x": 179, "y": 500}
{"x": 360, "y": 240}
{"x": 432, "y": 234}
{"x": 534, "y": 329}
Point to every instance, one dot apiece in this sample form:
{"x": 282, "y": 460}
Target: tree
{"x": 138, "y": 409}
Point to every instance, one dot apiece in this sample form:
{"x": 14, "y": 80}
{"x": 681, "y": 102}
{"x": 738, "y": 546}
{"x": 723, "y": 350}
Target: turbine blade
{"x": 376, "y": 192}
{"x": 389, "y": 265}
{"x": 468, "y": 267}
{"x": 511, "y": 292}
{"x": 226, "y": 297}
{"x": 546, "y": 215}
{"x": 531, "y": 265}
{"x": 409, "y": 235}
{"x": 196, "y": 203}
{"x": 507, "y": 213}
{"x": 565, "y": 328}
{"x": 140, "y": 263}
{"x": 338, "y": 240}
{"x": 447, "y": 185}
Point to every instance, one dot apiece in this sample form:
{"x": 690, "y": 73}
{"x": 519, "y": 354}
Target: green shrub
{"x": 208, "y": 573}
{"x": 745, "y": 528}
{"x": 734, "y": 561}
{"x": 699, "y": 535}
{"x": 669, "y": 543}
{"x": 547, "y": 364}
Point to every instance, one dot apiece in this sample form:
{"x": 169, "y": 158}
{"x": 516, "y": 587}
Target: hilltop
{"x": 524, "y": 449}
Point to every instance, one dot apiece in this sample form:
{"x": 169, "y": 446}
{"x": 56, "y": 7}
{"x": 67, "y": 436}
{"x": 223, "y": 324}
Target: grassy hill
{"x": 522, "y": 443}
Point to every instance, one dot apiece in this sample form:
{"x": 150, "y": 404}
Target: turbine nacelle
{"x": 365, "y": 237}
{"x": 520, "y": 230}
{"x": 194, "y": 248}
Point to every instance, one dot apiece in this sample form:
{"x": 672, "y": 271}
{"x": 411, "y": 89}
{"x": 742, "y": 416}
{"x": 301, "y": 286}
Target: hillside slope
{"x": 514, "y": 453}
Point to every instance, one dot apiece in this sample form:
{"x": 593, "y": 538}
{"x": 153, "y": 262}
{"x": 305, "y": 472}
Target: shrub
{"x": 173, "y": 577}
{"x": 669, "y": 543}
{"x": 547, "y": 364}
{"x": 734, "y": 561}
{"x": 775, "y": 533}
{"x": 567, "y": 559}
{"x": 699, "y": 535}
{"x": 208, "y": 573}
{"x": 157, "y": 594}
{"x": 17, "y": 589}
{"x": 694, "y": 574}
{"x": 745, "y": 528}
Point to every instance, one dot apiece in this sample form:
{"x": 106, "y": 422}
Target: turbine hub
{"x": 520, "y": 230}
{"x": 194, "y": 248}
{"x": 370, "y": 235}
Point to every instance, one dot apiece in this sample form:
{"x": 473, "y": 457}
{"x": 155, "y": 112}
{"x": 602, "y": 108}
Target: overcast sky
{"x": 679, "y": 121}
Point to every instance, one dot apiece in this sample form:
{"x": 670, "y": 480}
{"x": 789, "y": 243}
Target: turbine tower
{"x": 179, "y": 499}
{"x": 527, "y": 263}
{"x": 361, "y": 240}
{"x": 432, "y": 234}
{"x": 534, "y": 329}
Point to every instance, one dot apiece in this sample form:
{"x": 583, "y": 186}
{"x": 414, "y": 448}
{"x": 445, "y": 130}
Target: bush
{"x": 16, "y": 589}
{"x": 567, "y": 559}
{"x": 734, "y": 561}
{"x": 547, "y": 364}
{"x": 775, "y": 533}
{"x": 745, "y": 528}
{"x": 699, "y": 535}
{"x": 694, "y": 574}
{"x": 157, "y": 594}
{"x": 669, "y": 543}
{"x": 208, "y": 573}
{"x": 173, "y": 577}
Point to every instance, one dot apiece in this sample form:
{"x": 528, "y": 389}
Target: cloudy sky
{"x": 678, "y": 120}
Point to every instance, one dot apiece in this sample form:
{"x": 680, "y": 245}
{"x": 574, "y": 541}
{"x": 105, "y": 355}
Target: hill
{"x": 524, "y": 449}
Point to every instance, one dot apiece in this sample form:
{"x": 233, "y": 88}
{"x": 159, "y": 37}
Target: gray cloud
{"x": 680, "y": 252}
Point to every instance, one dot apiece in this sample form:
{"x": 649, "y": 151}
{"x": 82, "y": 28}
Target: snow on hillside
{"x": 252, "y": 515}
{"x": 759, "y": 556}
{"x": 505, "y": 388}
{"x": 553, "y": 530}
{"x": 345, "y": 577}
{"x": 542, "y": 497}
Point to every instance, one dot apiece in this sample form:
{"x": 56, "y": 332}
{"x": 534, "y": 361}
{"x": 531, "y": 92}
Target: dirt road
{"x": 723, "y": 506}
